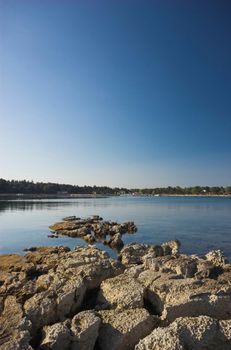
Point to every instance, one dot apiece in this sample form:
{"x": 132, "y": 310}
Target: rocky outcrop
{"x": 47, "y": 286}
{"x": 194, "y": 333}
{"x": 94, "y": 229}
{"x": 152, "y": 297}
{"x": 134, "y": 253}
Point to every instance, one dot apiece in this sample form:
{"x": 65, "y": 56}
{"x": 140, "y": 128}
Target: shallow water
{"x": 200, "y": 223}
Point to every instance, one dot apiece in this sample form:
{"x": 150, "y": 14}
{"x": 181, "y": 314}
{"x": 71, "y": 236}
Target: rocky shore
{"x": 152, "y": 297}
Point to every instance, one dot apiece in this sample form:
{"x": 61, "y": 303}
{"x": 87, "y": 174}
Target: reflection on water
{"x": 30, "y": 205}
{"x": 200, "y": 223}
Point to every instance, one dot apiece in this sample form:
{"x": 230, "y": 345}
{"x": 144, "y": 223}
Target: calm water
{"x": 201, "y": 224}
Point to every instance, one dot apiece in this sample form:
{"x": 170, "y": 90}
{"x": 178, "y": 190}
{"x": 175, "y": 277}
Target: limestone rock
{"x": 217, "y": 258}
{"x": 56, "y": 337}
{"x": 116, "y": 242}
{"x": 121, "y": 330}
{"x": 14, "y": 327}
{"x": 171, "y": 247}
{"x": 175, "y": 296}
{"x": 225, "y": 331}
{"x": 41, "y": 310}
{"x": 194, "y": 333}
{"x": 47, "y": 290}
{"x": 133, "y": 253}
{"x": 84, "y": 328}
{"x": 94, "y": 229}
{"x": 121, "y": 292}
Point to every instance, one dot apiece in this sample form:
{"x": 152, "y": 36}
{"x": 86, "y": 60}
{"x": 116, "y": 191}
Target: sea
{"x": 200, "y": 223}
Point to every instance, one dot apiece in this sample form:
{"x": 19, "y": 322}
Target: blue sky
{"x": 118, "y": 93}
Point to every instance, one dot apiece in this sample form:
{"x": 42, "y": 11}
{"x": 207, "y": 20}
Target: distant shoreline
{"x": 194, "y": 195}
{"x": 74, "y": 196}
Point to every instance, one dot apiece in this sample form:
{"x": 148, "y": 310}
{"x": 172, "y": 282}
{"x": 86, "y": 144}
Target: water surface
{"x": 200, "y": 223}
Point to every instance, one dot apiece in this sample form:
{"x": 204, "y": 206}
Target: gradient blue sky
{"x": 118, "y": 93}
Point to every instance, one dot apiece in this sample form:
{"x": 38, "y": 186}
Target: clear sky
{"x": 116, "y": 92}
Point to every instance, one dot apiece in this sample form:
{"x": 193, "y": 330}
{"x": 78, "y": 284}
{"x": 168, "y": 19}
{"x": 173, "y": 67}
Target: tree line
{"x": 195, "y": 190}
{"x": 30, "y": 187}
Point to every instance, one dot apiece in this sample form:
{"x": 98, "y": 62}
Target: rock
{"x": 70, "y": 218}
{"x": 93, "y": 229}
{"x": 70, "y": 297}
{"x": 136, "y": 253}
{"x": 160, "y": 339}
{"x": 213, "y": 305}
{"x": 14, "y": 327}
{"x": 184, "y": 333}
{"x": 174, "y": 296}
{"x": 97, "y": 217}
{"x": 47, "y": 290}
{"x": 56, "y": 337}
{"x": 41, "y": 310}
{"x": 10, "y": 262}
{"x": 31, "y": 249}
{"x": 121, "y": 330}
{"x": 182, "y": 265}
{"x": 206, "y": 269}
{"x": 65, "y": 225}
{"x": 52, "y": 236}
{"x": 116, "y": 242}
{"x": 171, "y": 247}
{"x": 84, "y": 328}
{"x": 225, "y": 332}
{"x": 121, "y": 292}
{"x": 132, "y": 253}
{"x": 217, "y": 258}
{"x": 157, "y": 263}
{"x": 89, "y": 238}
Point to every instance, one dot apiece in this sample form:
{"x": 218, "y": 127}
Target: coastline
{"x": 195, "y": 195}
{"x": 152, "y": 297}
{"x": 72, "y": 196}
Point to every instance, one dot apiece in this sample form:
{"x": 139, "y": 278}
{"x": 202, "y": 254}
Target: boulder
{"x": 217, "y": 258}
{"x": 56, "y": 337}
{"x": 194, "y": 333}
{"x": 171, "y": 247}
{"x": 121, "y": 292}
{"x": 40, "y": 309}
{"x": 133, "y": 253}
{"x": 84, "y": 329}
{"x": 121, "y": 330}
{"x": 116, "y": 242}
